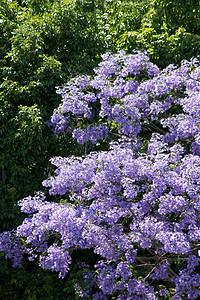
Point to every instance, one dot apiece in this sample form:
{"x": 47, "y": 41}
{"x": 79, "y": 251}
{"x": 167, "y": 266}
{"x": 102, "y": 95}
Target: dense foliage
{"x": 135, "y": 206}
{"x": 42, "y": 44}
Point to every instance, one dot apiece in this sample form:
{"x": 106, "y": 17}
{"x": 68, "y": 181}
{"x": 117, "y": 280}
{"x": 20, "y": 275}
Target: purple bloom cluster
{"x": 116, "y": 77}
{"x": 137, "y": 205}
{"x": 13, "y": 247}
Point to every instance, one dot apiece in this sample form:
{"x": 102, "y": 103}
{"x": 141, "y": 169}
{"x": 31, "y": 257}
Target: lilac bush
{"x": 135, "y": 205}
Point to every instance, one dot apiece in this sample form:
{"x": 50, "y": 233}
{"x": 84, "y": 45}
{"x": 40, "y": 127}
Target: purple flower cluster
{"x": 137, "y": 205}
{"x": 116, "y": 77}
{"x": 13, "y": 247}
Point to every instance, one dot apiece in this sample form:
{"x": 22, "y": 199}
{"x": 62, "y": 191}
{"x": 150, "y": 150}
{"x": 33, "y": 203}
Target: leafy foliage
{"x": 44, "y": 43}
{"x": 168, "y": 32}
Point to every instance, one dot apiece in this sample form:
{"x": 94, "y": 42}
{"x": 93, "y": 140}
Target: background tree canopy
{"x": 43, "y": 43}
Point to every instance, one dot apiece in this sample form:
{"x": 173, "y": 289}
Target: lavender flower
{"x": 135, "y": 205}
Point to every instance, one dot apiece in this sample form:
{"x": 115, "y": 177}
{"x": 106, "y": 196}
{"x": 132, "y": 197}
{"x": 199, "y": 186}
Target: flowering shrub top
{"x": 136, "y": 206}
